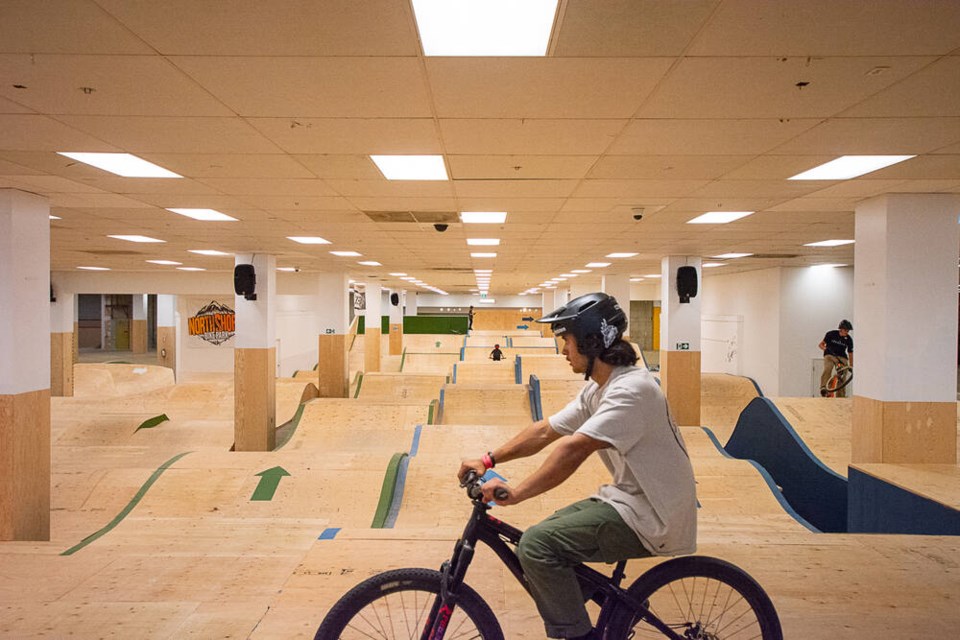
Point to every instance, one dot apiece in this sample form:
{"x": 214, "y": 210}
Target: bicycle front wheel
{"x": 399, "y": 603}
{"x": 699, "y": 598}
{"x": 840, "y": 380}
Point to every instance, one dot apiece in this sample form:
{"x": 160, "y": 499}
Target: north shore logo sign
{"x": 214, "y": 323}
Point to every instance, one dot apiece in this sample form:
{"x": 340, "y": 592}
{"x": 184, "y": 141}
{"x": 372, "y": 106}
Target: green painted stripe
{"x": 152, "y": 422}
{"x": 126, "y": 511}
{"x": 356, "y": 393}
{"x": 287, "y": 429}
{"x": 387, "y": 491}
{"x": 433, "y": 405}
{"x": 403, "y": 358}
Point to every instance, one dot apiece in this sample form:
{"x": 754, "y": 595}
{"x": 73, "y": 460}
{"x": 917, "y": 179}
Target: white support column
{"x": 167, "y": 331}
{"x": 905, "y": 326}
{"x": 372, "y": 329}
{"x": 411, "y": 303}
{"x": 396, "y": 323}
{"x": 618, "y": 286}
{"x": 138, "y": 326}
{"x": 24, "y": 366}
{"x": 680, "y": 342}
{"x": 63, "y": 310}
{"x": 333, "y": 364}
{"x": 255, "y": 359}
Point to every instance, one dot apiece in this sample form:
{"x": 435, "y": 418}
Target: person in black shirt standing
{"x": 837, "y": 347}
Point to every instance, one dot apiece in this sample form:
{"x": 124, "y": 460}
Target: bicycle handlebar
{"x": 473, "y": 481}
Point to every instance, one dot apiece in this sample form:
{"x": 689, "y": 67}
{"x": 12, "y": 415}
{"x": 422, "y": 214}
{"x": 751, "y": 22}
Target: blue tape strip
{"x": 415, "y": 445}
{"x": 397, "y": 498}
{"x": 329, "y": 534}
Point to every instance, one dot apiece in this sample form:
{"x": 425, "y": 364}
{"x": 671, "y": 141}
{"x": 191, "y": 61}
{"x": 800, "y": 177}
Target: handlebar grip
{"x": 500, "y": 493}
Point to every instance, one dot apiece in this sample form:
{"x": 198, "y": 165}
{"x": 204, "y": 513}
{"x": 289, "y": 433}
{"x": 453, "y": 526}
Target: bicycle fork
{"x": 446, "y": 601}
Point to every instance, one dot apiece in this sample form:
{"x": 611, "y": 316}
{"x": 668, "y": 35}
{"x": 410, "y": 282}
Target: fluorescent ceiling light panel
{"x": 137, "y": 238}
{"x": 206, "y": 215}
{"x": 731, "y": 256}
{"x": 486, "y": 301}
{"x": 846, "y": 167}
{"x": 620, "y": 255}
{"x": 579, "y": 270}
{"x": 636, "y": 279}
{"x": 484, "y": 27}
{"x": 483, "y": 255}
{"x": 598, "y": 265}
{"x": 191, "y": 269}
{"x": 370, "y": 263}
{"x": 55, "y": 218}
{"x": 719, "y": 217}
{"x": 568, "y": 275}
{"x": 483, "y": 242}
{"x": 208, "y": 252}
{"x": 165, "y": 262}
{"x": 397, "y": 275}
{"x": 121, "y": 164}
{"x": 483, "y": 217}
{"x": 653, "y": 275}
{"x": 827, "y": 266}
{"x": 308, "y": 239}
{"x": 411, "y": 167}
{"x": 347, "y": 254}
{"x": 94, "y": 268}
{"x": 710, "y": 265}
{"x": 829, "y": 243}
{"x": 287, "y": 269}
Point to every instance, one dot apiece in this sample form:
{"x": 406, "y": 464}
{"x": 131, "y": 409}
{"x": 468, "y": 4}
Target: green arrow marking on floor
{"x": 269, "y": 480}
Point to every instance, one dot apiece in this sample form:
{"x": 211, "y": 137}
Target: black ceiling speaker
{"x": 395, "y": 299}
{"x": 245, "y": 281}
{"x": 687, "y": 283}
{"x": 53, "y": 296}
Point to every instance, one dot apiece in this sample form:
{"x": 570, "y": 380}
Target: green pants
{"x": 586, "y": 531}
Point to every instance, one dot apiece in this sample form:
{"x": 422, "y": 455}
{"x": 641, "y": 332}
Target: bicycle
{"x": 685, "y": 598}
{"x": 842, "y": 376}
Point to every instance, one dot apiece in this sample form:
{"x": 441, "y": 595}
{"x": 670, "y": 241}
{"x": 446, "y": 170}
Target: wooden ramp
{"x": 111, "y": 380}
{"x": 722, "y": 399}
{"x": 473, "y": 372}
{"x": 556, "y": 394}
{"x": 431, "y": 342}
{"x": 439, "y": 363}
{"x": 824, "y": 425}
{"x": 402, "y": 387}
{"x": 546, "y": 367}
{"x": 507, "y": 404}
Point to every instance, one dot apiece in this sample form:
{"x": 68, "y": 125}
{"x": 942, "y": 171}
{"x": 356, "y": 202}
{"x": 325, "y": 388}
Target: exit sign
{"x": 683, "y": 346}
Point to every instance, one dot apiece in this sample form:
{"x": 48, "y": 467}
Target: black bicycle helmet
{"x": 845, "y": 324}
{"x": 594, "y": 319}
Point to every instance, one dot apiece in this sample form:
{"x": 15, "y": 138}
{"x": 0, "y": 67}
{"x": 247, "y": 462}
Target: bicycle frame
{"x": 498, "y": 535}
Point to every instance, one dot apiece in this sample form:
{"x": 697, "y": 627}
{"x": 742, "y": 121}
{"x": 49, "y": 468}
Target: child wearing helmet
{"x": 496, "y": 355}
{"x": 648, "y": 508}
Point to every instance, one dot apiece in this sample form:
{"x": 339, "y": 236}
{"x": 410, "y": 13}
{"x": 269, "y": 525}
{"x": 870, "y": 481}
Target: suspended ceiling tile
{"x": 340, "y": 167}
{"x": 659, "y": 167}
{"x": 707, "y": 137}
{"x": 118, "y": 85}
{"x": 533, "y": 188}
{"x": 513, "y": 206}
{"x": 816, "y": 204}
{"x": 777, "y": 167}
{"x": 767, "y": 87}
{"x": 638, "y": 189}
{"x": 630, "y": 27}
{"x": 351, "y": 135}
{"x": 403, "y": 203}
{"x": 278, "y": 27}
{"x": 875, "y": 136}
{"x": 829, "y": 28}
{"x": 783, "y": 189}
{"x": 514, "y": 166}
{"x": 393, "y": 188}
{"x": 71, "y": 26}
{"x": 283, "y": 202}
{"x": 521, "y": 136}
{"x": 934, "y": 167}
{"x": 93, "y": 200}
{"x": 542, "y": 87}
{"x": 287, "y": 87}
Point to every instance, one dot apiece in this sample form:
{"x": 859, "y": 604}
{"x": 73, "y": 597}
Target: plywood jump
{"x": 439, "y": 363}
{"x": 507, "y": 404}
{"x": 479, "y": 372}
{"x": 401, "y": 387}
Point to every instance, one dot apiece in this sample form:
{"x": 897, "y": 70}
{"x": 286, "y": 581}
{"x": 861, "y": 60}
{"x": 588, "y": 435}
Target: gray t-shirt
{"x": 653, "y": 487}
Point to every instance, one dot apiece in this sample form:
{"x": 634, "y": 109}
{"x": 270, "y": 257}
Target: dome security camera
{"x": 638, "y": 213}
{"x": 440, "y": 227}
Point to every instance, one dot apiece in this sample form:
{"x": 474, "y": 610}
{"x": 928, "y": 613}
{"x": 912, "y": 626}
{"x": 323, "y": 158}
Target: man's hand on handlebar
{"x": 498, "y": 491}
{"x": 466, "y": 466}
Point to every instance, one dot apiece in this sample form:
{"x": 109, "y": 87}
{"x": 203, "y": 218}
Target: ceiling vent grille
{"x": 414, "y": 217}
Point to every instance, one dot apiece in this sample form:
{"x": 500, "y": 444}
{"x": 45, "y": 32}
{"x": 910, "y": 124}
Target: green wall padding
{"x": 456, "y": 325}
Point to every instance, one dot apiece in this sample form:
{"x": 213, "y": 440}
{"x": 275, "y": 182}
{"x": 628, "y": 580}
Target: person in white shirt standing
{"x": 650, "y": 506}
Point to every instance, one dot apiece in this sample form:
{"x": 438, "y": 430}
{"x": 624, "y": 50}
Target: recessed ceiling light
{"x": 121, "y": 164}
{"x": 598, "y": 265}
{"x": 208, "y": 252}
{"x": 846, "y": 167}
{"x": 636, "y": 279}
{"x": 829, "y": 243}
{"x": 483, "y": 217}
{"x": 579, "y": 270}
{"x": 165, "y": 262}
{"x": 652, "y": 275}
{"x": 483, "y": 270}
{"x": 346, "y": 254}
{"x": 136, "y": 238}
{"x": 483, "y": 242}
{"x": 484, "y": 27}
{"x": 483, "y": 255}
{"x": 730, "y": 256}
{"x": 191, "y": 268}
{"x": 710, "y": 265}
{"x": 397, "y": 275}
{"x": 288, "y": 269}
{"x": 486, "y": 301}
{"x": 719, "y": 217}
{"x": 52, "y": 217}
{"x": 411, "y": 167}
{"x": 827, "y": 266}
{"x": 308, "y": 239}
{"x": 620, "y": 255}
{"x": 94, "y": 268}
{"x": 206, "y": 215}
{"x": 568, "y": 275}
{"x": 370, "y": 263}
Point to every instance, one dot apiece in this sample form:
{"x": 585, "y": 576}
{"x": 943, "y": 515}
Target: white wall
{"x": 813, "y": 301}
{"x": 755, "y": 296}
{"x": 500, "y": 302}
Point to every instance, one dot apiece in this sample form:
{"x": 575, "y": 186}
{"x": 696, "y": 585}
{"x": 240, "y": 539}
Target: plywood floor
{"x": 196, "y": 557}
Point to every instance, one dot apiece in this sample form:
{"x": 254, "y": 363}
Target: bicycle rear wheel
{"x": 700, "y": 598}
{"x": 398, "y": 604}
{"x": 839, "y": 380}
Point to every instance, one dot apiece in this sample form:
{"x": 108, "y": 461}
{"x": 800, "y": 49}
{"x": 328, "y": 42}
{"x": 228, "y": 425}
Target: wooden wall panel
{"x": 904, "y": 432}
{"x": 255, "y": 391}
{"x": 680, "y": 378}
{"x": 333, "y": 366}
{"x": 371, "y": 350}
{"x": 25, "y": 466}
{"x": 167, "y": 347}
{"x": 507, "y": 320}
{"x": 138, "y": 336}
{"x": 396, "y": 339}
{"x": 61, "y": 364}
